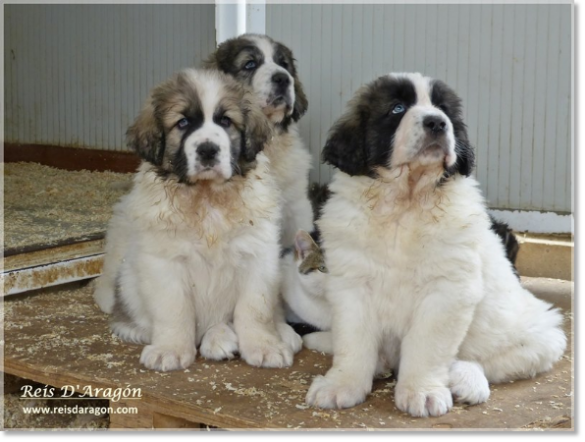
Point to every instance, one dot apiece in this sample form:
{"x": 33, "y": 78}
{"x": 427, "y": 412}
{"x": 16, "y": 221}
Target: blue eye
{"x": 250, "y": 65}
{"x": 182, "y": 123}
{"x": 398, "y": 109}
{"x": 225, "y": 121}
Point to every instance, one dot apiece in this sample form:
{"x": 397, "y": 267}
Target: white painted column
{"x": 256, "y": 16}
{"x": 236, "y": 17}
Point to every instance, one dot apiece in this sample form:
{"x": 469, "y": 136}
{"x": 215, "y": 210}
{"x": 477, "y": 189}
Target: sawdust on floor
{"x": 45, "y": 206}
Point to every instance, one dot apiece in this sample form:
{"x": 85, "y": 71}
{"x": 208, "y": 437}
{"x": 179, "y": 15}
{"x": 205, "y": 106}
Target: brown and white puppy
{"x": 268, "y": 68}
{"x": 192, "y": 251}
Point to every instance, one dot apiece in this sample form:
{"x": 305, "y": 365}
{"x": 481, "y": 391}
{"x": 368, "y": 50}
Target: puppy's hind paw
{"x": 468, "y": 383}
{"x": 266, "y": 352}
{"x": 328, "y": 393}
{"x": 423, "y": 402}
{"x": 319, "y": 341}
{"x": 167, "y": 358}
{"x": 289, "y": 337}
{"x": 219, "y": 342}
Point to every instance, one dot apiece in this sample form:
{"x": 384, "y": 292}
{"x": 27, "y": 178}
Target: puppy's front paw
{"x": 167, "y": 358}
{"x": 326, "y": 392}
{"x": 421, "y": 401}
{"x": 220, "y": 342}
{"x": 468, "y": 383}
{"x": 289, "y": 337}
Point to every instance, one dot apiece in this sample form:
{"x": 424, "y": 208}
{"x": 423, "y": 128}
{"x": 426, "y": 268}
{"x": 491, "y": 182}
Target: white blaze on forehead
{"x": 210, "y": 90}
{"x": 411, "y": 135}
{"x": 422, "y": 87}
{"x": 265, "y": 47}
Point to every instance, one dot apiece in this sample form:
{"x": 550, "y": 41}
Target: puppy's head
{"x": 401, "y": 119}
{"x": 199, "y": 125}
{"x": 268, "y": 67}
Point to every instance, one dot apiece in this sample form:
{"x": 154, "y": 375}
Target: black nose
{"x": 207, "y": 152}
{"x": 281, "y": 79}
{"x": 434, "y": 125}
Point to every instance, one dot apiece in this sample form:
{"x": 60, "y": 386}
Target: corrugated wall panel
{"x": 76, "y": 75}
{"x": 511, "y": 64}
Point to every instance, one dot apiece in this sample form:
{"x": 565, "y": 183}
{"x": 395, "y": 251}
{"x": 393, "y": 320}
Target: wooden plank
{"x": 52, "y": 274}
{"x": 79, "y": 350}
{"x": 54, "y": 254}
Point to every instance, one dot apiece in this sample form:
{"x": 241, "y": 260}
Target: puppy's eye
{"x": 182, "y": 123}
{"x": 225, "y": 121}
{"x": 443, "y": 108}
{"x": 250, "y": 65}
{"x": 322, "y": 269}
{"x": 398, "y": 109}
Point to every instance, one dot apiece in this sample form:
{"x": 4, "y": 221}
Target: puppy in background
{"x": 192, "y": 251}
{"x": 417, "y": 279}
{"x": 268, "y": 68}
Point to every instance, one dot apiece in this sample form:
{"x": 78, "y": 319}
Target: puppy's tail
{"x": 508, "y": 239}
{"x": 104, "y": 293}
{"x": 130, "y": 332}
{"x": 538, "y": 343}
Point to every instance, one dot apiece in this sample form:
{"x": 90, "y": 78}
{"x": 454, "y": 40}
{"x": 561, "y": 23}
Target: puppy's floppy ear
{"x": 301, "y": 102}
{"x": 463, "y": 149}
{"x": 465, "y": 157}
{"x": 223, "y": 57}
{"x": 258, "y": 130}
{"x": 465, "y": 154}
{"x": 146, "y": 135}
{"x": 346, "y": 148}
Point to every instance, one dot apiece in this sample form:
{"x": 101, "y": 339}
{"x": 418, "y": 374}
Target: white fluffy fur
{"x": 418, "y": 279}
{"x": 194, "y": 273}
{"x": 290, "y": 163}
{"x": 436, "y": 277}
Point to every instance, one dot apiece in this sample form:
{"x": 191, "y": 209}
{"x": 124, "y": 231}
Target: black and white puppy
{"x": 417, "y": 279}
{"x": 192, "y": 251}
{"x": 268, "y": 67}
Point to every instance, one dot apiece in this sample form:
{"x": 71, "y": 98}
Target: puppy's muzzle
{"x": 207, "y": 153}
{"x": 434, "y": 126}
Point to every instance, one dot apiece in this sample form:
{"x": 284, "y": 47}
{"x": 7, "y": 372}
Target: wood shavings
{"x": 45, "y": 206}
{"x": 62, "y": 334}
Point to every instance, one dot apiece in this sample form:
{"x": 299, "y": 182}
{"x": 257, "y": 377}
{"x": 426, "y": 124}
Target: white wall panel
{"x": 76, "y": 75}
{"x": 511, "y": 64}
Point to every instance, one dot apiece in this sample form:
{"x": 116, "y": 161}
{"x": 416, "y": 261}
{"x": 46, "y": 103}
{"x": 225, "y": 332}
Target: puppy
{"x": 416, "y": 276}
{"x": 303, "y": 273}
{"x": 303, "y": 281}
{"x": 192, "y": 251}
{"x": 268, "y": 67}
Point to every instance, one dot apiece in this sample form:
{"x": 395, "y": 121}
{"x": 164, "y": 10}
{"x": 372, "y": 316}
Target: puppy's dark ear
{"x": 345, "y": 148}
{"x": 223, "y": 57}
{"x": 212, "y": 62}
{"x": 146, "y": 135}
{"x": 258, "y": 130}
{"x": 301, "y": 102}
{"x": 465, "y": 157}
